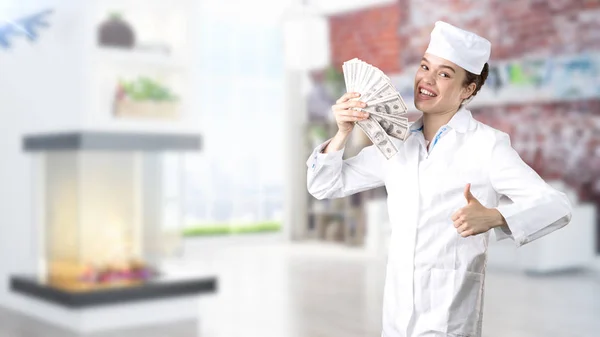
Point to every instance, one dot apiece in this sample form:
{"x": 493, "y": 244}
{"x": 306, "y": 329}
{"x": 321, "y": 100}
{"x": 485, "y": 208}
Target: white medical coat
{"x": 435, "y": 278}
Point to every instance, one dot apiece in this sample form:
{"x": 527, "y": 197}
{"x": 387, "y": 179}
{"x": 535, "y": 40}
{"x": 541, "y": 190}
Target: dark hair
{"x": 477, "y": 79}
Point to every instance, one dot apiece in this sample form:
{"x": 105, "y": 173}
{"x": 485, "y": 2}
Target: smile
{"x": 427, "y": 92}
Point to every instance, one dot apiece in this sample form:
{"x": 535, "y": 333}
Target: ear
{"x": 468, "y": 91}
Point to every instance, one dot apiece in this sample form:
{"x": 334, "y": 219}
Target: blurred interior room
{"x": 153, "y": 176}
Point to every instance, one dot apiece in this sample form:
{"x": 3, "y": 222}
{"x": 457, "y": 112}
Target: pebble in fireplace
{"x": 125, "y": 274}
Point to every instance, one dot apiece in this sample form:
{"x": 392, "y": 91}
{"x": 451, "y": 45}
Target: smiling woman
{"x": 444, "y": 187}
{"x": 441, "y": 86}
{"x": 437, "y": 76}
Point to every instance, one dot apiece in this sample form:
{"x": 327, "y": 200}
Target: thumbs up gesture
{"x": 475, "y": 218}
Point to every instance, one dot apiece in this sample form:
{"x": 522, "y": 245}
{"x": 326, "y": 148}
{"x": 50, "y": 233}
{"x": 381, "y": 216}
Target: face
{"x": 439, "y": 86}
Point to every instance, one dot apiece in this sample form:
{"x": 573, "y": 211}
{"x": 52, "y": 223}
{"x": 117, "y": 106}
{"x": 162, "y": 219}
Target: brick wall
{"x": 370, "y": 35}
{"x": 391, "y": 37}
{"x": 552, "y": 27}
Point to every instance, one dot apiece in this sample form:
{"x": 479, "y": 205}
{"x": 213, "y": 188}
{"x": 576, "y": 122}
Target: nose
{"x": 429, "y": 79}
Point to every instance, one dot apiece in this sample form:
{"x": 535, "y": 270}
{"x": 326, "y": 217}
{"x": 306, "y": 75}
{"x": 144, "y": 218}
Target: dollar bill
{"x": 391, "y": 128}
{"x": 373, "y": 86}
{"x": 378, "y": 137}
{"x": 394, "y": 96}
{"x": 393, "y": 118}
{"x": 393, "y": 108}
{"x": 384, "y": 104}
{"x": 386, "y": 90}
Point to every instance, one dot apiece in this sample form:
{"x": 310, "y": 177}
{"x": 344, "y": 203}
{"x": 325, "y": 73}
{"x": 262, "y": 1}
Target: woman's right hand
{"x": 344, "y": 115}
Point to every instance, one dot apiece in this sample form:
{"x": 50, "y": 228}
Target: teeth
{"x": 428, "y": 93}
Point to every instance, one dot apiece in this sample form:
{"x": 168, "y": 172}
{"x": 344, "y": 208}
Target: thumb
{"x": 470, "y": 198}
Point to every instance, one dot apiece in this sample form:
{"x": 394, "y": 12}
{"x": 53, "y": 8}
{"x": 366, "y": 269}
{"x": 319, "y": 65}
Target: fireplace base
{"x": 156, "y": 302}
{"x": 155, "y": 289}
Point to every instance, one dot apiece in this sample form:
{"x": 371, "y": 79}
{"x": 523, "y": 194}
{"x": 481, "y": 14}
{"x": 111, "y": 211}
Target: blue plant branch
{"x": 27, "y": 26}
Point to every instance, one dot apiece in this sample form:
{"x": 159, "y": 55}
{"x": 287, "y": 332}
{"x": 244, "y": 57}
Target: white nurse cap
{"x": 467, "y": 50}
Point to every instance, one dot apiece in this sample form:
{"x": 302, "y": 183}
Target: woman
{"x": 444, "y": 189}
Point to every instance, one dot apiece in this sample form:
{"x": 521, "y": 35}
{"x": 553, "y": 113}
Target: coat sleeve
{"x": 329, "y": 176}
{"x": 536, "y": 209}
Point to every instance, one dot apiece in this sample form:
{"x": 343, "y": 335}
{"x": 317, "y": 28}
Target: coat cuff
{"x": 318, "y": 159}
{"x": 511, "y": 231}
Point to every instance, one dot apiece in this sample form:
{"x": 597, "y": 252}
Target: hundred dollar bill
{"x": 391, "y": 104}
{"x": 398, "y": 119}
{"x": 376, "y": 83}
{"x": 392, "y": 118}
{"x": 378, "y": 136}
{"x": 386, "y": 90}
{"x": 384, "y": 104}
{"x": 393, "y": 129}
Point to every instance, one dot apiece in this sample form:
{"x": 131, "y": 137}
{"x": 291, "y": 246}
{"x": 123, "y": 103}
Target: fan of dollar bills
{"x": 384, "y": 105}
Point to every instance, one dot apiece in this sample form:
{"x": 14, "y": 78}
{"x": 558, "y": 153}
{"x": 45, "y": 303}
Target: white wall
{"x": 36, "y": 76}
{"x": 32, "y": 79}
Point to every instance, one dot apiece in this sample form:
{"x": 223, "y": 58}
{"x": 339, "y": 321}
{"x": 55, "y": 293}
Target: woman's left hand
{"x": 475, "y": 218}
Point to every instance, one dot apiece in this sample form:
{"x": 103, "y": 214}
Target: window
{"x": 238, "y": 178}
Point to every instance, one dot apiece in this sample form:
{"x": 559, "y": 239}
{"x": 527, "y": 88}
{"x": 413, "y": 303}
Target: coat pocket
{"x": 456, "y": 301}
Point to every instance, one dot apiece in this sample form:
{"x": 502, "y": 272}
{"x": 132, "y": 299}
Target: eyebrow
{"x": 441, "y": 66}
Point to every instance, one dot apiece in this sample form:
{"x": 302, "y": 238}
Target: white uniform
{"x": 435, "y": 278}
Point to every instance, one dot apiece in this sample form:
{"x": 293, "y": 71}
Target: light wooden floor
{"x": 315, "y": 291}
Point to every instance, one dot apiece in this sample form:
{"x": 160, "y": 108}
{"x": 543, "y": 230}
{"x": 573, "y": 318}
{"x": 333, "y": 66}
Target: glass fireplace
{"x": 108, "y": 206}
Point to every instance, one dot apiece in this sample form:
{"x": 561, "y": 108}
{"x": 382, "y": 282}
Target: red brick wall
{"x": 370, "y": 35}
{"x": 552, "y": 27}
{"x": 385, "y": 36}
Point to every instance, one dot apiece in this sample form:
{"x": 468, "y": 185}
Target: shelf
{"x": 132, "y": 58}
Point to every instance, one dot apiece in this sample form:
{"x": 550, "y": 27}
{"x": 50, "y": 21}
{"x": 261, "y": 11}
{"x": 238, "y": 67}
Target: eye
{"x": 424, "y": 67}
{"x": 444, "y": 75}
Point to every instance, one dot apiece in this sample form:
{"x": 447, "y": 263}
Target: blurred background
{"x": 154, "y": 164}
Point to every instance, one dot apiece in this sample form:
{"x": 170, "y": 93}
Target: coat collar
{"x": 462, "y": 121}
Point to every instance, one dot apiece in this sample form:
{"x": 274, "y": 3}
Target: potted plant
{"x": 144, "y": 97}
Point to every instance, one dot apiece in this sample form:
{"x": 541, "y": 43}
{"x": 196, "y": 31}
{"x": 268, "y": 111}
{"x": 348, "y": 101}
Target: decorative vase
{"x": 116, "y": 32}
